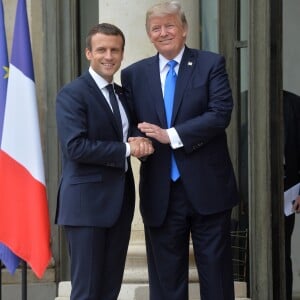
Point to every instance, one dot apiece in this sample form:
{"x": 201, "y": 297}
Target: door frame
{"x": 265, "y": 138}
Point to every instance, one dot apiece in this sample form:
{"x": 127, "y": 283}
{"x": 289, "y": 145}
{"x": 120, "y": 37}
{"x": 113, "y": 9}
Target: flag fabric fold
{"x": 24, "y": 216}
{"x": 7, "y": 257}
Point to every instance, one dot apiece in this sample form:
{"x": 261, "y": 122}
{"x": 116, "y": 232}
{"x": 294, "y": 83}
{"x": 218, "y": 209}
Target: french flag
{"x": 24, "y": 215}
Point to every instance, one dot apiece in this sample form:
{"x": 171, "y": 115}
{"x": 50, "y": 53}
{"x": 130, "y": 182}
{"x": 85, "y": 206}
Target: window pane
{"x": 209, "y": 25}
{"x": 243, "y": 109}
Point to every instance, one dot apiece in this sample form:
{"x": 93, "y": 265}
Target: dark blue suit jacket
{"x": 291, "y": 110}
{"x": 202, "y": 110}
{"x": 92, "y": 185}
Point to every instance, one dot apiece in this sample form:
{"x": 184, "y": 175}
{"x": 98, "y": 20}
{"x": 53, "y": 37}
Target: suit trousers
{"x": 98, "y": 257}
{"x": 168, "y": 251}
{"x": 289, "y": 222}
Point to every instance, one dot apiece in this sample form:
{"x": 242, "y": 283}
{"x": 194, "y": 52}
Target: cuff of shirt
{"x": 175, "y": 141}
{"x": 127, "y": 149}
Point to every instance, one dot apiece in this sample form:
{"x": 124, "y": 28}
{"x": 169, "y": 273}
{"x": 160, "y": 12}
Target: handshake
{"x": 140, "y": 146}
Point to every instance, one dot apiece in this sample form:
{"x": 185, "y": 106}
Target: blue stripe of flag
{"x": 3, "y": 68}
{"x": 21, "y": 55}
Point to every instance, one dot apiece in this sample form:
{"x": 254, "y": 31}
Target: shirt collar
{"x": 100, "y": 81}
{"x": 163, "y": 61}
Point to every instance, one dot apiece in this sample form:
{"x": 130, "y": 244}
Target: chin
{"x": 168, "y": 53}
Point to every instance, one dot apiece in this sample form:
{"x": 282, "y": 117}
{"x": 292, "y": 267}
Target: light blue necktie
{"x": 169, "y": 92}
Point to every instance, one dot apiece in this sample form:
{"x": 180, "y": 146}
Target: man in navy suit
{"x": 291, "y": 110}
{"x": 200, "y": 200}
{"x": 96, "y": 192}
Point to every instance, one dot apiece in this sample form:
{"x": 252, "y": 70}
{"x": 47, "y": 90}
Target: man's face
{"x": 167, "y": 34}
{"x": 106, "y": 54}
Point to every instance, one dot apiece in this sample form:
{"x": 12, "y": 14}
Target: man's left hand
{"x": 154, "y": 132}
{"x": 296, "y": 205}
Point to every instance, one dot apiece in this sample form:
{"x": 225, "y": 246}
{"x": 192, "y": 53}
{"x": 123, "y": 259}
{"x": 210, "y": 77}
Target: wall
{"x": 291, "y": 46}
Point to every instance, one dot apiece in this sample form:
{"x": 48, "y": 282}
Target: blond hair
{"x": 166, "y": 8}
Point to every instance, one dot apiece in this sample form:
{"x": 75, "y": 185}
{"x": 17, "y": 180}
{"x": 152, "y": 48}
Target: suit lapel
{"x": 186, "y": 68}
{"x": 119, "y": 92}
{"x": 154, "y": 84}
{"x": 99, "y": 97}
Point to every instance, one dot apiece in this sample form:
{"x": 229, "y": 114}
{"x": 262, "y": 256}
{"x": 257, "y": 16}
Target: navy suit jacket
{"x": 92, "y": 185}
{"x": 202, "y": 110}
{"x": 291, "y": 110}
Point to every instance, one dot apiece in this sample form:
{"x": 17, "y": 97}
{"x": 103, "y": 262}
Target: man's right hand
{"x": 140, "y": 146}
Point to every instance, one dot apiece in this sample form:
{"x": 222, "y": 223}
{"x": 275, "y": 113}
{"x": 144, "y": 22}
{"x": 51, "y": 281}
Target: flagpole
{"x": 24, "y": 280}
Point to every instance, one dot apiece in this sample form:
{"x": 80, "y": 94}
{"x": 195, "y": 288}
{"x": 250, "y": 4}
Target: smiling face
{"x": 105, "y": 54}
{"x": 167, "y": 33}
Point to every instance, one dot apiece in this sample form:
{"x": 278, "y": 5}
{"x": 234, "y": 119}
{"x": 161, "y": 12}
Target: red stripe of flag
{"x": 26, "y": 219}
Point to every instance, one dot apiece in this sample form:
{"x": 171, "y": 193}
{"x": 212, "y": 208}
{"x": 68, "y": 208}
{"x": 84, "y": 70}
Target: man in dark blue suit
{"x": 199, "y": 200}
{"x": 291, "y": 113}
{"x": 96, "y": 192}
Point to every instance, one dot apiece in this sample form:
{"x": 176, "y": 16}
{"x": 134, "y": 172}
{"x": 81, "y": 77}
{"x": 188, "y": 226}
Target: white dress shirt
{"x": 102, "y": 83}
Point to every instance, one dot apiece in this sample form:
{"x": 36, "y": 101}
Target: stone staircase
{"x": 130, "y": 291}
{"x": 135, "y": 283}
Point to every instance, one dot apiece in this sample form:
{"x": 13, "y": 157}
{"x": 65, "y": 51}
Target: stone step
{"x": 135, "y": 281}
{"x": 35, "y": 291}
{"x": 136, "y": 271}
{"x": 130, "y": 291}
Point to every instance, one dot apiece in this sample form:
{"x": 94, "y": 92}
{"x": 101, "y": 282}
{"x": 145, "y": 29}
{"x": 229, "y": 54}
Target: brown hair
{"x": 104, "y": 28}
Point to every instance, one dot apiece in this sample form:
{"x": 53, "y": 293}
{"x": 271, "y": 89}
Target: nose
{"x": 163, "y": 31}
{"x": 108, "y": 54}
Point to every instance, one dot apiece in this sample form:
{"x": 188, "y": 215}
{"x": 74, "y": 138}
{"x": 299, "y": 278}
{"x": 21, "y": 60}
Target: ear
{"x": 185, "y": 32}
{"x": 88, "y": 54}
